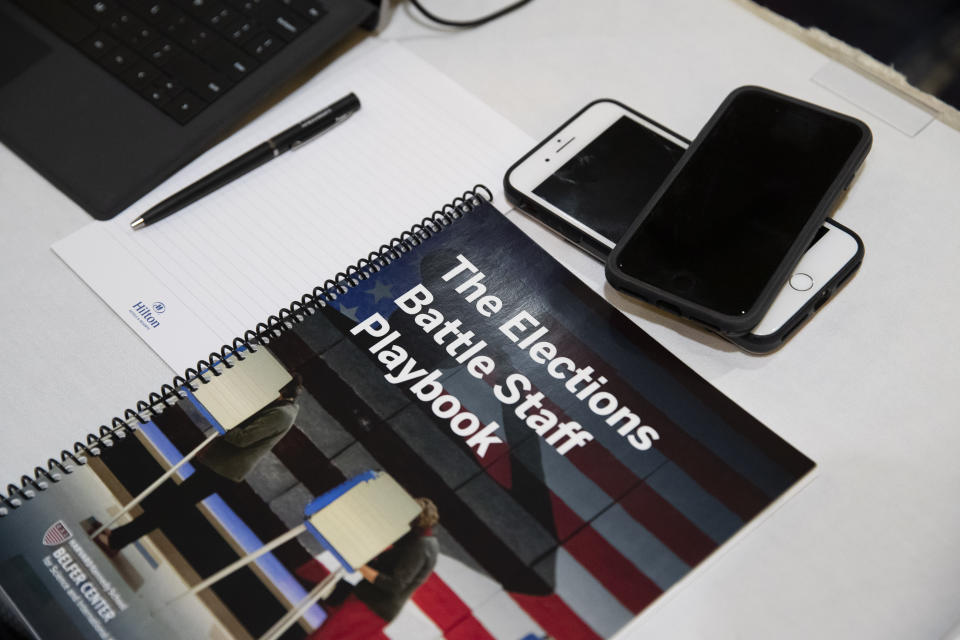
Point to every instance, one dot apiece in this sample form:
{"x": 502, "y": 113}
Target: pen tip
{"x": 137, "y": 224}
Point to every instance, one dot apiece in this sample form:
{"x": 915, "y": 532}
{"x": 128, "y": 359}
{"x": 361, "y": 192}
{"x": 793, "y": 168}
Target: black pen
{"x": 292, "y": 138}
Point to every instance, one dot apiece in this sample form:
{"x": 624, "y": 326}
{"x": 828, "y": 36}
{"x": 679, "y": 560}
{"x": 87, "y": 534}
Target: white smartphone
{"x": 831, "y": 258}
{"x": 591, "y": 177}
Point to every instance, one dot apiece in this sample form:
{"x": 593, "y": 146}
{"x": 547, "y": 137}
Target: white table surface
{"x": 871, "y": 547}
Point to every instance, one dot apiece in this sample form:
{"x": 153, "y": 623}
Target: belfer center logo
{"x": 145, "y": 314}
{"x": 56, "y": 534}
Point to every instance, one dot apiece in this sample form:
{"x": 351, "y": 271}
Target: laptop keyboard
{"x": 179, "y": 55}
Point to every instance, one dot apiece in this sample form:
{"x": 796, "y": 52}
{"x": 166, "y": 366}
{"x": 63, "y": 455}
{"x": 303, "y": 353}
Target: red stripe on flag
{"x": 646, "y": 506}
{"x": 772, "y": 445}
{"x": 670, "y": 526}
{"x": 615, "y": 572}
{"x": 440, "y": 603}
{"x": 700, "y": 462}
{"x": 501, "y": 472}
{"x": 469, "y": 629}
{"x": 705, "y": 467}
{"x": 555, "y": 617}
{"x": 565, "y": 521}
{"x": 597, "y": 463}
{"x": 603, "y": 561}
{"x": 710, "y": 472}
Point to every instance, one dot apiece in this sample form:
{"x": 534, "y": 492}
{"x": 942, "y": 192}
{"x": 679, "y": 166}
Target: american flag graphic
{"x": 532, "y": 543}
{"x": 572, "y": 546}
{"x": 56, "y": 534}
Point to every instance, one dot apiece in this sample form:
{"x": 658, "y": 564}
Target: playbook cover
{"x": 567, "y": 471}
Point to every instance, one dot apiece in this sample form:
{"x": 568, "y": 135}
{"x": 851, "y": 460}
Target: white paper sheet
{"x": 197, "y": 279}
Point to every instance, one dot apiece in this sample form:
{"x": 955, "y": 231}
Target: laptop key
{"x": 119, "y": 20}
{"x": 99, "y": 10}
{"x": 289, "y": 25}
{"x": 160, "y": 51}
{"x": 183, "y": 107}
{"x": 97, "y": 45}
{"x": 240, "y": 31}
{"x": 263, "y": 45}
{"x": 261, "y": 10}
{"x": 230, "y": 60}
{"x": 197, "y": 37}
{"x": 197, "y": 76}
{"x": 118, "y": 59}
{"x": 131, "y": 30}
{"x": 158, "y": 13}
{"x": 174, "y": 23}
{"x": 140, "y": 75}
{"x": 139, "y": 35}
{"x": 248, "y": 6}
{"x": 215, "y": 88}
{"x": 68, "y": 23}
{"x": 157, "y": 91}
{"x": 211, "y": 12}
{"x": 309, "y": 9}
{"x": 171, "y": 86}
{"x": 223, "y": 18}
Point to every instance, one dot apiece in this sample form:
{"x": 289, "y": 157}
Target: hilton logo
{"x": 145, "y": 314}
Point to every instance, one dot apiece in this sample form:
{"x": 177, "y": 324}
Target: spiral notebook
{"x": 569, "y": 469}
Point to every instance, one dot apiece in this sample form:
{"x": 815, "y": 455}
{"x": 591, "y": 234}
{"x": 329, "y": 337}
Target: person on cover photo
{"x": 223, "y": 463}
{"x": 388, "y": 582}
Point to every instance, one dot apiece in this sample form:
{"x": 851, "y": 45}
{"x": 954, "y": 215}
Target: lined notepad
{"x": 217, "y": 268}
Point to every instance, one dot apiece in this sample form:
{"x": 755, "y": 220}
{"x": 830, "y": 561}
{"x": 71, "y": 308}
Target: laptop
{"x": 107, "y": 98}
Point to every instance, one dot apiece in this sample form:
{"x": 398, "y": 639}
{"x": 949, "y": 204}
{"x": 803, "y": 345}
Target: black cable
{"x": 468, "y": 23}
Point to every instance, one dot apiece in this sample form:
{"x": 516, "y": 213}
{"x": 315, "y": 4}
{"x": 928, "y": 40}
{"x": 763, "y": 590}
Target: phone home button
{"x": 801, "y": 282}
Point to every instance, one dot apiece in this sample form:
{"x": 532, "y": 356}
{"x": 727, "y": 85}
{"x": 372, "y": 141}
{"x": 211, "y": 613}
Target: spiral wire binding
{"x": 206, "y": 370}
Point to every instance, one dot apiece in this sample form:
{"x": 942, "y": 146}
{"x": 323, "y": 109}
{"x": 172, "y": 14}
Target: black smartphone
{"x": 719, "y": 238}
{"x": 590, "y": 178}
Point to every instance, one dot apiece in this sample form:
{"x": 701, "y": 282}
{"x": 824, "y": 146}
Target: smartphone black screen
{"x": 607, "y": 183}
{"x": 718, "y": 233}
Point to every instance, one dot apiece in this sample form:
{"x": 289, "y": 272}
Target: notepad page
{"x": 197, "y": 279}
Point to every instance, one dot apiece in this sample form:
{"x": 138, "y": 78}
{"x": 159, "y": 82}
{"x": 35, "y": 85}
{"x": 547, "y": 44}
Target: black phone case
{"x": 761, "y": 345}
{"x": 737, "y": 325}
{"x": 569, "y": 232}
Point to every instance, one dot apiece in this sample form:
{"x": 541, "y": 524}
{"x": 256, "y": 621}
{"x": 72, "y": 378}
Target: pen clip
{"x": 297, "y": 143}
